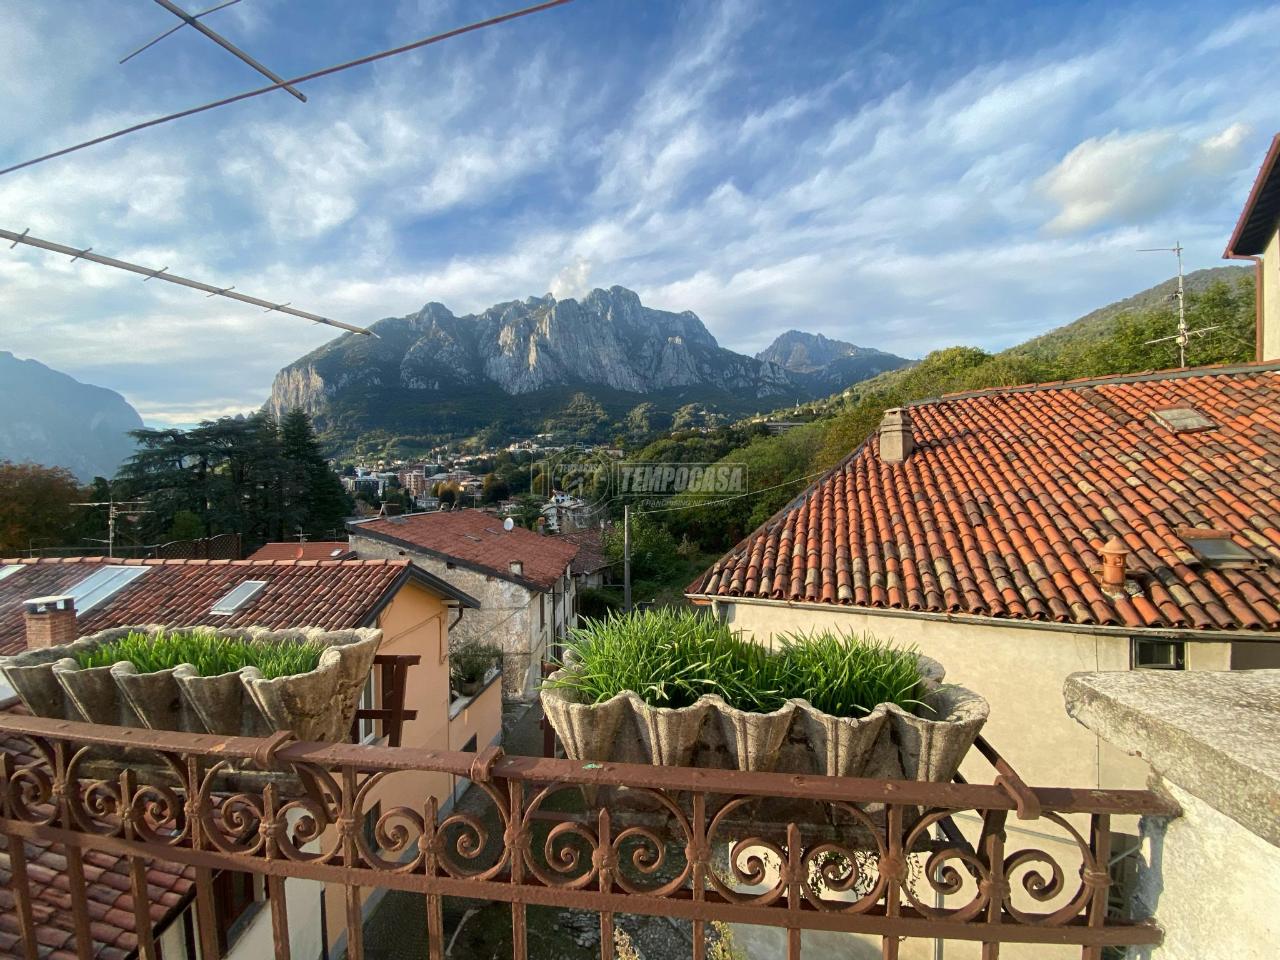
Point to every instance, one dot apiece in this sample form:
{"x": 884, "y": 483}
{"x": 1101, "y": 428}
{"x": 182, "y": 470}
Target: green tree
{"x": 35, "y": 506}
{"x": 494, "y": 488}
{"x": 186, "y": 526}
{"x": 527, "y": 511}
{"x": 653, "y": 549}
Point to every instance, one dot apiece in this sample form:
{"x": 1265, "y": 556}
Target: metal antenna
{"x": 115, "y": 507}
{"x": 149, "y": 274}
{"x": 230, "y": 47}
{"x": 174, "y": 29}
{"x": 292, "y": 81}
{"x": 1184, "y": 335}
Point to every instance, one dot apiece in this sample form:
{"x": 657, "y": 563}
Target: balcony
{"x": 884, "y": 859}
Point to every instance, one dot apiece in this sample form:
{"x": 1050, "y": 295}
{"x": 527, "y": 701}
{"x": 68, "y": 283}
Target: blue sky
{"x": 906, "y": 176}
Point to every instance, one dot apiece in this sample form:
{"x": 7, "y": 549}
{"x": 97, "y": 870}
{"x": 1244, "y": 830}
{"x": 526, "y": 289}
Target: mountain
{"x": 1111, "y": 339}
{"x": 514, "y": 368}
{"x": 827, "y": 364}
{"x": 1099, "y": 323}
{"x": 56, "y": 420}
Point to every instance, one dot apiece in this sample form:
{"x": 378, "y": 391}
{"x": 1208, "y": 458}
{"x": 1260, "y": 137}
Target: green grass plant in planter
{"x": 678, "y": 687}
{"x": 211, "y": 655}
{"x": 469, "y": 663}
{"x": 228, "y": 681}
{"x": 670, "y": 658}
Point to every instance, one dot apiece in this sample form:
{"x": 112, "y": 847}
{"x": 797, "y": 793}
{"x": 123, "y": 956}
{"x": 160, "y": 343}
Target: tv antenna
{"x": 1184, "y": 334}
{"x": 114, "y": 509}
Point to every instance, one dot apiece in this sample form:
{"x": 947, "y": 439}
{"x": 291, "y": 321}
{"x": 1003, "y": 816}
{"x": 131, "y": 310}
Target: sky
{"x": 907, "y": 175}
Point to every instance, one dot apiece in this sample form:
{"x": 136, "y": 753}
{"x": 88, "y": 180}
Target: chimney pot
{"x": 896, "y": 438}
{"x": 517, "y": 567}
{"x": 1114, "y": 556}
{"x": 51, "y": 621}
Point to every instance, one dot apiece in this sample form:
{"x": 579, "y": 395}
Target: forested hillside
{"x": 1109, "y": 341}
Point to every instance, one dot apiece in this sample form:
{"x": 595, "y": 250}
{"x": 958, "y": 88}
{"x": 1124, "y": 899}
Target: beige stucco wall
{"x": 1270, "y": 295}
{"x": 508, "y": 615}
{"x": 1227, "y": 913}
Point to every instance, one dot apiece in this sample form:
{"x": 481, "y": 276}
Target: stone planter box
{"x": 889, "y": 743}
{"x": 317, "y": 705}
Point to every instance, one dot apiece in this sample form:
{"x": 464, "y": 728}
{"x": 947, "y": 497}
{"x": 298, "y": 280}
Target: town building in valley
{"x": 415, "y": 612}
{"x": 522, "y": 579}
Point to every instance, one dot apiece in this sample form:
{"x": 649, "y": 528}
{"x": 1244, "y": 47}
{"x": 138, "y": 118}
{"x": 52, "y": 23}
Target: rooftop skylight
{"x": 9, "y": 569}
{"x": 239, "y": 595}
{"x": 103, "y": 584}
{"x": 1182, "y": 419}
{"x": 1216, "y": 548}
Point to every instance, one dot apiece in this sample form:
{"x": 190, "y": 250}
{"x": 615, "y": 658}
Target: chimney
{"x": 1114, "y": 555}
{"x": 517, "y": 567}
{"x": 51, "y": 621}
{"x": 896, "y": 441}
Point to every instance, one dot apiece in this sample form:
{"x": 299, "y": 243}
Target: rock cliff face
{"x": 606, "y": 344}
{"x": 56, "y": 420}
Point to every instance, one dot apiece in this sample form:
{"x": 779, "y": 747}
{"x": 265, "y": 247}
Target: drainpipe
{"x": 1259, "y": 281}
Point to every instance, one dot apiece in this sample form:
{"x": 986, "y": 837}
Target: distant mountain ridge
{"x": 433, "y": 374}
{"x": 825, "y": 363}
{"x": 53, "y": 419}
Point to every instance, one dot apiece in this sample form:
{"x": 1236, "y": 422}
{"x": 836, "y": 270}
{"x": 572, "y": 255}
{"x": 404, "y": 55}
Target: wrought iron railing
{"x": 874, "y": 857}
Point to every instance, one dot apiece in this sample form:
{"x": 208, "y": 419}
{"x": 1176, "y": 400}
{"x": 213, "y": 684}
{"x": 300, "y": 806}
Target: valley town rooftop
{"x": 1001, "y": 501}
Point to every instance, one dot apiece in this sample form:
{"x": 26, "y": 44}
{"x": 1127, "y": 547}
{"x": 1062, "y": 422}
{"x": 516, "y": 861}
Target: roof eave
{"x": 1181, "y": 633}
{"x": 1270, "y": 167}
{"x": 409, "y": 545}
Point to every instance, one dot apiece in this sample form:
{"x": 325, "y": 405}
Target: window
{"x": 1153, "y": 653}
{"x": 238, "y": 597}
{"x": 542, "y": 611}
{"x": 103, "y": 584}
{"x": 9, "y": 569}
{"x": 1182, "y": 419}
{"x": 1216, "y": 548}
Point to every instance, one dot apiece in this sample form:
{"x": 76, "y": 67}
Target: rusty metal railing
{"x": 876, "y": 857}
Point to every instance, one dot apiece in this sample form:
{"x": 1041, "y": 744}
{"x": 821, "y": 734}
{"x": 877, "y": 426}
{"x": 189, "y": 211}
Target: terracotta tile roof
{"x": 331, "y": 594}
{"x": 310, "y": 550}
{"x": 1002, "y": 507}
{"x": 591, "y": 557}
{"x": 109, "y": 901}
{"x": 476, "y": 539}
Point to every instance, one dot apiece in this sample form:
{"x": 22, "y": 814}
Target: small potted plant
{"x": 471, "y": 664}
{"x": 680, "y": 688}
{"x": 202, "y": 680}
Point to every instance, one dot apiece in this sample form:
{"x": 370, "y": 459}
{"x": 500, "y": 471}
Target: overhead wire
{"x": 292, "y": 81}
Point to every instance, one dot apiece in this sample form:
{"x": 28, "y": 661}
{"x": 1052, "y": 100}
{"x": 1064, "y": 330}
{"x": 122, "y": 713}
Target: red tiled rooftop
{"x": 1003, "y": 506}
{"x": 308, "y": 550}
{"x": 330, "y": 594}
{"x": 591, "y": 556}
{"x": 475, "y": 538}
{"x": 109, "y": 901}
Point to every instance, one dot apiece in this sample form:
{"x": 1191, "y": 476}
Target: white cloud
{"x": 574, "y": 280}
{"x": 1123, "y": 177}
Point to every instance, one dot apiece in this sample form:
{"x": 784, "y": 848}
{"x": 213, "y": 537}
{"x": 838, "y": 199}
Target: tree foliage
{"x": 35, "y": 506}
{"x": 248, "y": 475}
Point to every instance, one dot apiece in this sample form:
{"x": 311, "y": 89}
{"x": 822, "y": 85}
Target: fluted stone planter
{"x": 888, "y": 743}
{"x": 317, "y": 705}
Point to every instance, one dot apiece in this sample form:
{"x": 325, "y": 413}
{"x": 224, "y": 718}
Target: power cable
{"x": 294, "y": 81}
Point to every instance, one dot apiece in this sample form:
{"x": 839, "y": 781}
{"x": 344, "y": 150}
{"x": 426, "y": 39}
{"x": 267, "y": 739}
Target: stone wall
{"x": 1210, "y": 877}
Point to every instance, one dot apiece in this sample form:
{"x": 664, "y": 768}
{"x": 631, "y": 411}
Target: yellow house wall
{"x": 417, "y": 622}
{"x": 1270, "y": 294}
